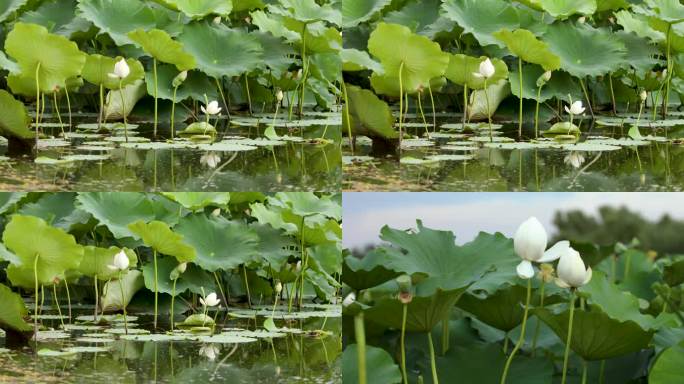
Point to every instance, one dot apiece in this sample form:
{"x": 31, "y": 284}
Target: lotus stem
{"x": 584, "y": 372}
{"x": 101, "y": 116}
{"x": 275, "y": 115}
{"x": 346, "y": 113}
{"x": 612, "y": 93}
{"x": 360, "y": 336}
{"x": 401, "y": 103}
{"x": 56, "y": 302}
{"x": 433, "y": 363}
{"x": 123, "y": 106}
{"x": 66, "y": 285}
{"x": 173, "y": 298}
{"x": 35, "y": 304}
{"x": 422, "y": 115}
{"x": 538, "y": 327}
{"x": 536, "y": 113}
{"x": 666, "y": 98}
{"x": 489, "y": 114}
{"x": 173, "y": 111}
{"x": 602, "y": 372}
{"x": 123, "y": 303}
{"x": 218, "y": 282}
{"x": 59, "y": 116}
{"x": 97, "y": 299}
{"x": 403, "y": 344}
{"x": 223, "y": 96}
{"x": 249, "y": 97}
{"x": 305, "y": 69}
{"x": 156, "y": 92}
{"x": 586, "y": 95}
{"x": 569, "y": 337}
{"x": 465, "y": 103}
{"x": 445, "y": 335}
{"x": 520, "y": 119}
{"x": 37, "y": 103}
{"x": 156, "y": 290}
{"x": 505, "y": 344}
{"x": 249, "y": 298}
{"x": 521, "y": 339}
{"x": 68, "y": 100}
{"x": 434, "y": 114}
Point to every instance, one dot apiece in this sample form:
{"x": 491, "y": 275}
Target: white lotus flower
{"x": 349, "y": 300}
{"x": 576, "y": 108}
{"x": 120, "y": 262}
{"x": 486, "y": 70}
{"x": 209, "y": 351}
{"x": 278, "y": 287}
{"x": 279, "y": 95}
{"x": 210, "y": 159}
{"x": 217, "y": 20}
{"x": 571, "y": 270}
{"x": 211, "y": 300}
{"x": 530, "y": 244}
{"x": 121, "y": 70}
{"x": 643, "y": 95}
{"x": 182, "y": 267}
{"x": 575, "y": 159}
{"x": 212, "y": 108}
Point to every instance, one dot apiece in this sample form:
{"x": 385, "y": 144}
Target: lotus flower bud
{"x": 349, "y": 300}
{"x": 121, "y": 70}
{"x": 643, "y": 95}
{"x": 211, "y": 300}
{"x": 120, "y": 262}
{"x": 529, "y": 243}
{"x": 576, "y": 108}
{"x": 279, "y": 95}
{"x": 486, "y": 69}
{"x": 278, "y": 287}
{"x": 572, "y": 271}
{"x": 217, "y": 20}
{"x": 582, "y": 19}
{"x": 179, "y": 79}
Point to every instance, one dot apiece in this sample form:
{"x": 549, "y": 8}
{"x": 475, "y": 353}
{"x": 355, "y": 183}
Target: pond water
{"x": 457, "y": 159}
{"x": 239, "y": 352}
{"x": 240, "y": 159}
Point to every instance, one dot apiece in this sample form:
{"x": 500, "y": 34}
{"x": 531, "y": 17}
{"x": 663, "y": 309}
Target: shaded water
{"x": 293, "y": 358}
{"x": 300, "y": 166}
{"x": 655, "y": 166}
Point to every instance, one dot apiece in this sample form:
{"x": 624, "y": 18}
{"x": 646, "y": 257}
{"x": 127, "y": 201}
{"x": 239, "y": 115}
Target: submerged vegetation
{"x": 81, "y": 78}
{"x": 421, "y": 309}
{"x": 433, "y": 83}
{"x": 204, "y": 272}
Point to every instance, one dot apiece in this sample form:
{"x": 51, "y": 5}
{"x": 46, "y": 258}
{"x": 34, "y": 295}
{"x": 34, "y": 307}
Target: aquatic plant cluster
{"x": 420, "y": 308}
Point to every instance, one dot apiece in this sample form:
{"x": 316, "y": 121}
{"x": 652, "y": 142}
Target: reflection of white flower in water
{"x": 575, "y": 159}
{"x": 120, "y": 262}
{"x": 530, "y": 244}
{"x": 571, "y": 270}
{"x": 209, "y": 351}
{"x": 211, "y": 160}
{"x": 121, "y": 70}
{"x": 486, "y": 70}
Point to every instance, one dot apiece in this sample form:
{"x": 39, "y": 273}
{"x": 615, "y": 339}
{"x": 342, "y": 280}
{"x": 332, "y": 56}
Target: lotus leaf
{"x": 162, "y": 47}
{"x": 14, "y": 119}
{"x": 523, "y": 44}
{"x": 461, "y": 71}
{"x": 195, "y": 201}
{"x": 193, "y": 279}
{"x": 667, "y": 368}
{"x": 96, "y": 261}
{"x": 199, "y": 8}
{"x": 308, "y": 11}
{"x": 112, "y": 300}
{"x": 97, "y": 69}
{"x": 358, "y": 11}
{"x": 57, "y": 210}
{"x": 355, "y": 60}
{"x": 381, "y": 368}
{"x": 10, "y": 6}
{"x": 13, "y": 311}
{"x": 58, "y": 17}
{"x": 158, "y": 236}
{"x": 117, "y": 210}
{"x": 561, "y": 9}
{"x": 118, "y": 17}
{"x": 482, "y": 17}
{"x": 366, "y": 272}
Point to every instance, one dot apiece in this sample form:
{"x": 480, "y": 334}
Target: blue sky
{"x": 466, "y": 214}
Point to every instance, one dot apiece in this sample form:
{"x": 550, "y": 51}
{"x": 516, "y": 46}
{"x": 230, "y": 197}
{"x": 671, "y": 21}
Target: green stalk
{"x": 434, "y": 114}
{"x": 602, "y": 372}
{"x": 538, "y": 327}
{"x": 35, "y": 304}
{"x": 433, "y": 363}
{"x": 66, "y": 93}
{"x": 584, "y": 372}
{"x": 401, "y": 102}
{"x": 59, "y": 117}
{"x": 360, "y": 334}
{"x": 156, "y": 290}
{"x": 520, "y": 74}
{"x": 536, "y": 113}
{"x": 489, "y": 114}
{"x": 346, "y": 112}
{"x": 223, "y": 97}
{"x": 445, "y": 335}
{"x": 97, "y": 299}
{"x": 249, "y": 298}
{"x": 173, "y": 110}
{"x": 669, "y": 70}
{"x": 305, "y": 69}
{"x": 66, "y": 285}
{"x": 420, "y": 108}
{"x": 37, "y": 102}
{"x": 123, "y": 303}
{"x": 612, "y": 93}
{"x": 521, "y": 339}
{"x": 99, "y": 121}
{"x": 403, "y": 344}
{"x": 173, "y": 298}
{"x": 586, "y": 95}
{"x": 275, "y": 114}
{"x": 249, "y": 97}
{"x": 123, "y": 105}
{"x": 156, "y": 92}
{"x": 569, "y": 338}
{"x": 465, "y": 103}
{"x": 59, "y": 310}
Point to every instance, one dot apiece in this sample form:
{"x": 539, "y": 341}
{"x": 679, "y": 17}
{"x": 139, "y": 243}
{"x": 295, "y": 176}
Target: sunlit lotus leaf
{"x": 482, "y": 17}
{"x": 605, "y": 5}
{"x": 523, "y": 44}
{"x": 96, "y": 261}
{"x": 195, "y": 201}
{"x": 461, "y": 70}
{"x": 132, "y": 93}
{"x": 221, "y": 51}
{"x": 319, "y": 38}
{"x": 158, "y": 236}
{"x": 355, "y": 12}
{"x": 667, "y": 368}
{"x": 117, "y": 210}
{"x": 13, "y": 311}
{"x": 423, "y": 17}
{"x": 561, "y": 9}
{"x": 8, "y": 64}
{"x": 420, "y": 59}
{"x": 273, "y": 24}
{"x": 57, "y": 210}
{"x": 366, "y": 272}
{"x": 670, "y": 11}
{"x": 584, "y": 50}
{"x": 162, "y": 47}
{"x": 97, "y": 69}
{"x": 195, "y": 86}
{"x": 307, "y": 11}
{"x": 118, "y": 17}
{"x": 14, "y": 120}
{"x": 58, "y": 17}
{"x": 381, "y": 368}
{"x": 9, "y": 6}
{"x": 368, "y": 115}
{"x": 52, "y": 58}
{"x": 197, "y": 9}
{"x": 31, "y": 238}
{"x": 220, "y": 243}
{"x": 355, "y": 60}
{"x": 595, "y": 336}
{"x": 638, "y": 24}
{"x": 244, "y": 5}
{"x": 112, "y": 299}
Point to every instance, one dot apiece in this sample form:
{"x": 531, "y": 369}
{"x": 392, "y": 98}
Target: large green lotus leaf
{"x": 673, "y": 271}
{"x": 309, "y": 204}
{"x": 274, "y": 24}
{"x": 523, "y": 44}
{"x": 221, "y": 51}
{"x": 670, "y": 11}
{"x": 667, "y": 368}
{"x": 195, "y": 86}
{"x": 502, "y": 310}
{"x": 196, "y": 201}
{"x": 640, "y": 54}
{"x": 422, "y": 58}
{"x": 605, "y": 5}
{"x": 638, "y": 24}
{"x": 8, "y": 65}
{"x": 13, "y": 311}
{"x": 96, "y": 261}
{"x": 424, "y": 311}
{"x": 58, "y": 17}
{"x": 162, "y": 47}
{"x": 319, "y": 37}
{"x": 14, "y": 120}
{"x": 7, "y": 7}
{"x": 355, "y": 60}
{"x": 97, "y": 69}
{"x": 355, "y": 12}
{"x": 116, "y": 210}
{"x": 194, "y": 278}
{"x": 308, "y": 11}
{"x": 561, "y": 9}
{"x": 53, "y": 58}
{"x": 482, "y": 18}
{"x": 423, "y": 17}
{"x": 118, "y": 17}
{"x": 197, "y": 9}
{"x": 461, "y": 71}
{"x": 57, "y": 209}
{"x": 112, "y": 299}
{"x": 158, "y": 236}
{"x": 220, "y": 244}
{"x": 368, "y": 115}
{"x": 23, "y": 277}
{"x": 380, "y": 367}
{"x": 530, "y": 75}
{"x": 595, "y": 336}
{"x": 278, "y": 53}
{"x": 273, "y": 248}
{"x": 245, "y": 5}
{"x": 434, "y": 253}
{"x": 9, "y": 199}
{"x": 368, "y": 271}
{"x": 584, "y": 50}
{"x": 31, "y": 237}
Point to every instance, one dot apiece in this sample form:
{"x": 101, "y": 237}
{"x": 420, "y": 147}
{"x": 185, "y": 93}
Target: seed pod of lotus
{"x": 179, "y": 79}
{"x": 572, "y": 271}
{"x": 404, "y": 282}
{"x": 279, "y": 95}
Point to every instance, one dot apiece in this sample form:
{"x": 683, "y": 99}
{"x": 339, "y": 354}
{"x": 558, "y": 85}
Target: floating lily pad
{"x": 47, "y": 143}
{"x": 226, "y": 147}
{"x": 82, "y": 349}
{"x": 225, "y": 339}
{"x": 85, "y": 157}
{"x": 356, "y": 159}
{"x": 48, "y": 317}
{"x": 107, "y": 126}
{"x": 408, "y": 160}
{"x": 156, "y": 337}
{"x": 131, "y": 139}
{"x": 81, "y": 327}
{"x": 495, "y": 139}
{"x": 94, "y": 340}
{"x": 131, "y": 331}
{"x": 49, "y": 335}
{"x": 449, "y": 157}
{"x": 46, "y": 352}
{"x": 415, "y": 143}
